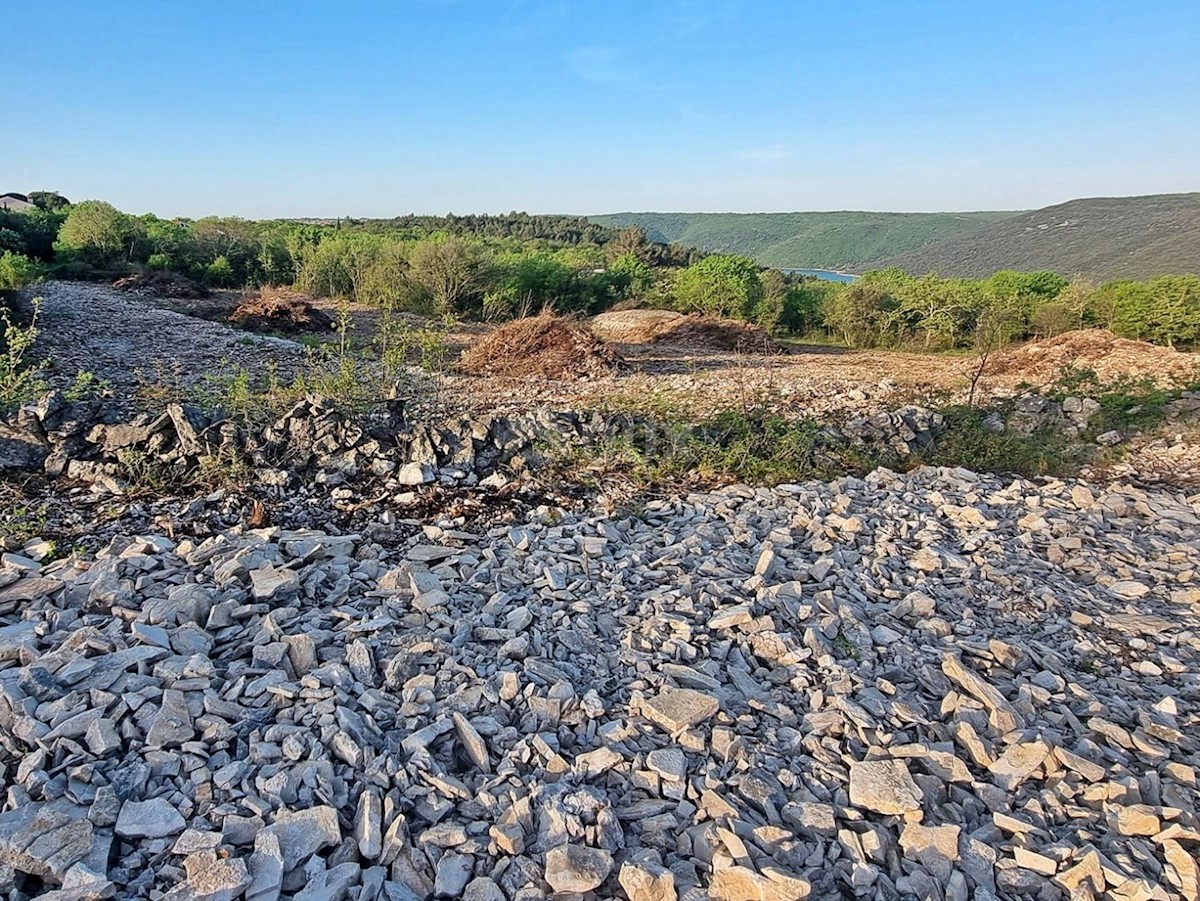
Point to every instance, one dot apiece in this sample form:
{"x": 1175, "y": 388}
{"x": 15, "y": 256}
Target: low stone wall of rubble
{"x": 84, "y": 441}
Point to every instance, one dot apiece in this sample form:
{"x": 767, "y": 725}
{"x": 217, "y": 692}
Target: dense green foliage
{"x": 499, "y": 267}
{"x": 16, "y": 271}
{"x": 1099, "y": 238}
{"x": 834, "y": 240}
{"x": 724, "y": 285}
{"x": 889, "y": 308}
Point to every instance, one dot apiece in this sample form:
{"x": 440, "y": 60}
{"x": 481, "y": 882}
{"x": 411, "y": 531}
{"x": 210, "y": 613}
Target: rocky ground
{"x": 409, "y": 675}
{"x": 136, "y": 345}
{"x": 931, "y": 685}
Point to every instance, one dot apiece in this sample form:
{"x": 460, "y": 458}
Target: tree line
{"x": 891, "y": 308}
{"x": 501, "y": 267}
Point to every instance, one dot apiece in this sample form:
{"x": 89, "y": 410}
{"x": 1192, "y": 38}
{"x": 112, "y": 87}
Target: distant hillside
{"x": 1101, "y": 238}
{"x": 837, "y": 240}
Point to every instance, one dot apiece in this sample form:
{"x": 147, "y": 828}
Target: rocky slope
{"x": 930, "y": 685}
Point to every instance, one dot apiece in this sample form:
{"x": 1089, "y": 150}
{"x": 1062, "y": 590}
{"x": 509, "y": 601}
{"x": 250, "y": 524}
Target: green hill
{"x": 836, "y": 240}
{"x": 1098, "y": 237}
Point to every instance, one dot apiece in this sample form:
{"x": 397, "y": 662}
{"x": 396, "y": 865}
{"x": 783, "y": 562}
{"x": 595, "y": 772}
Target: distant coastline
{"x": 829, "y": 275}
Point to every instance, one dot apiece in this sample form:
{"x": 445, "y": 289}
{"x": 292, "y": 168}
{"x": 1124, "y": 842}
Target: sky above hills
{"x": 309, "y": 108}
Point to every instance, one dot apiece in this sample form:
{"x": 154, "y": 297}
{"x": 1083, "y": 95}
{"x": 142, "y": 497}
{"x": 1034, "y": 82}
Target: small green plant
{"x": 86, "y": 386}
{"x": 223, "y": 469}
{"x": 23, "y": 522}
{"x": 20, "y": 381}
{"x": 844, "y": 648}
{"x": 967, "y": 441}
{"x": 162, "y": 386}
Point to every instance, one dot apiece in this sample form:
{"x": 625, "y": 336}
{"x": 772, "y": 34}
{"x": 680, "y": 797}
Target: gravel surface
{"x": 931, "y": 685}
{"x": 116, "y": 336}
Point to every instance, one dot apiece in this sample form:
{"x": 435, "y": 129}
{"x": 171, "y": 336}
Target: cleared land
{"x": 378, "y": 659}
{"x": 130, "y": 342}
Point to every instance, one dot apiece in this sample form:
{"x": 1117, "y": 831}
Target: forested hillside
{"x": 1100, "y": 238}
{"x": 833, "y": 240}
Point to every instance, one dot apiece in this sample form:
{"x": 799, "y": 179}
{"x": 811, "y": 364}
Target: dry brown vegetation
{"x": 546, "y": 345}
{"x": 280, "y": 310}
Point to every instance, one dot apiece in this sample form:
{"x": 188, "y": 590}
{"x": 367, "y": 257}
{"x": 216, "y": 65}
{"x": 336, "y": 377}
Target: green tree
{"x": 725, "y": 285}
{"x": 230, "y": 237}
{"x": 940, "y": 310}
{"x": 49, "y": 201}
{"x": 219, "y": 273}
{"x": 454, "y": 272}
{"x": 11, "y": 240}
{"x": 632, "y": 276}
{"x": 95, "y": 232}
{"x": 772, "y": 307}
{"x": 1124, "y": 307}
{"x": 38, "y": 230}
{"x": 861, "y": 314}
{"x": 169, "y": 244}
{"x": 1076, "y": 299}
{"x": 1174, "y": 309}
{"x": 1008, "y": 283}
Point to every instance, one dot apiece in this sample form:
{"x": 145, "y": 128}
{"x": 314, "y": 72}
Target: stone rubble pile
{"x": 904, "y": 431}
{"x": 933, "y": 685}
{"x": 90, "y": 442}
{"x": 1034, "y": 412}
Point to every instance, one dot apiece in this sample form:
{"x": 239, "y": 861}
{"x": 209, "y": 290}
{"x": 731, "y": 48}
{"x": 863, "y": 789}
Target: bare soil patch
{"x": 544, "y": 345}
{"x": 632, "y": 326}
{"x": 1096, "y": 349}
{"x": 689, "y": 334}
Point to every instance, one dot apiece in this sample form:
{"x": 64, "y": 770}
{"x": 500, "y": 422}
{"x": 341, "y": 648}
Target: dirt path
{"x": 128, "y": 340}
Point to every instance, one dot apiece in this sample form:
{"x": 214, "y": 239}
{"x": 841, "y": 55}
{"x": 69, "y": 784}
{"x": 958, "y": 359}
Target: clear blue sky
{"x": 271, "y": 108}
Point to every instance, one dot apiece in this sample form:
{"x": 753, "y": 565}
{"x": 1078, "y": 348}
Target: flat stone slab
{"x": 679, "y": 708}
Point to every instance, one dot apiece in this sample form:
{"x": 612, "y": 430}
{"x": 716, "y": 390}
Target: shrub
{"x": 726, "y": 285}
{"x": 11, "y": 240}
{"x": 16, "y": 271}
{"x": 19, "y": 381}
{"x": 219, "y": 273}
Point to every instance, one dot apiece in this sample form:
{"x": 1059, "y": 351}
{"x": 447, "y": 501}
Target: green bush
{"x": 19, "y": 381}
{"x": 16, "y": 271}
{"x": 721, "y": 285}
{"x": 219, "y": 274}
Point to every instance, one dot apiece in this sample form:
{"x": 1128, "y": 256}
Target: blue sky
{"x": 265, "y": 108}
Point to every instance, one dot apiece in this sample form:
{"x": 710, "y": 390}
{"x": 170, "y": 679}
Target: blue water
{"x": 828, "y": 274}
